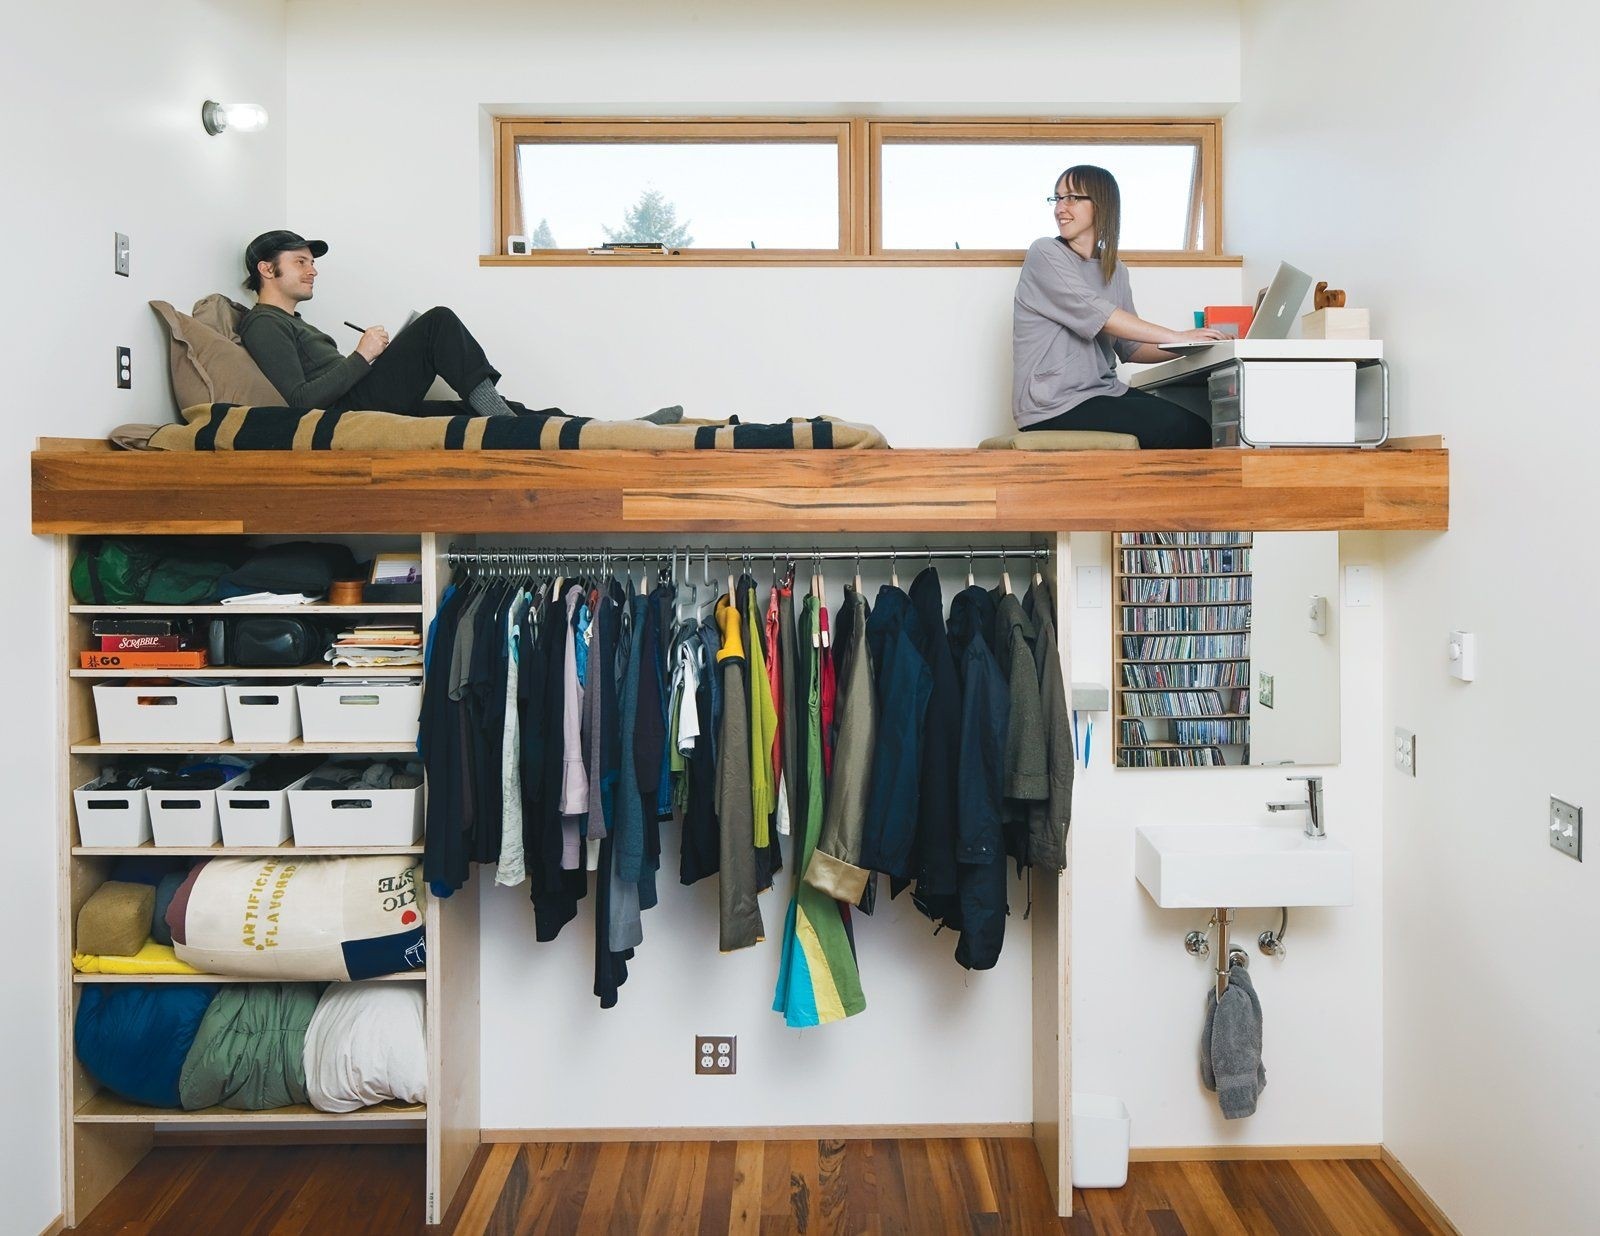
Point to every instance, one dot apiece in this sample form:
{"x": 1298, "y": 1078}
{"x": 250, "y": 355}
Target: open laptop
{"x": 1274, "y": 316}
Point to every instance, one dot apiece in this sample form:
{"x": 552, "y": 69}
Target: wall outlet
{"x": 1264, "y": 694}
{"x": 121, "y": 261}
{"x": 124, "y": 368}
{"x": 1405, "y": 751}
{"x": 1566, "y": 828}
{"x": 716, "y": 1054}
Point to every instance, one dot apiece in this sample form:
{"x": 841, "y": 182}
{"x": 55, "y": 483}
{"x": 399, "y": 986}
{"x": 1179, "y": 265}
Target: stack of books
{"x": 371, "y": 646}
{"x": 143, "y": 643}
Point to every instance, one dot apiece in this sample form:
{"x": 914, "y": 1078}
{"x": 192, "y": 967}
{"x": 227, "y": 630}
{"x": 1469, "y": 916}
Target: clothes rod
{"x": 531, "y": 554}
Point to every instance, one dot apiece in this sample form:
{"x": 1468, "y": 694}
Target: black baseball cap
{"x": 268, "y": 245}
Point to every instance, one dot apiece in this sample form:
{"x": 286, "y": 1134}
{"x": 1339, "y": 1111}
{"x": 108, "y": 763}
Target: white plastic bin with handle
{"x": 1100, "y": 1139}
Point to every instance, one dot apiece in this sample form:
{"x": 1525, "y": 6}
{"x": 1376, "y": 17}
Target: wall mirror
{"x": 1225, "y": 648}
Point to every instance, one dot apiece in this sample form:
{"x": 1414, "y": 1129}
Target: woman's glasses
{"x": 1067, "y": 197}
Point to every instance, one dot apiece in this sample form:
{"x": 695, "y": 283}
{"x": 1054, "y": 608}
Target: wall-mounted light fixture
{"x": 240, "y": 117}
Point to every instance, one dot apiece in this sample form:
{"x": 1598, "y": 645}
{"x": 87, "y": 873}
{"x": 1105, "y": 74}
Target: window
{"x": 844, "y": 191}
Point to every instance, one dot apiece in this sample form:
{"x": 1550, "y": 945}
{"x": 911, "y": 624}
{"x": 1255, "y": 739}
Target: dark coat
{"x": 903, "y": 685}
{"x": 981, "y": 874}
{"x": 935, "y": 856}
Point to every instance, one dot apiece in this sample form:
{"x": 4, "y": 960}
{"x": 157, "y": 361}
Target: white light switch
{"x": 1090, "y": 583}
{"x": 1359, "y": 586}
{"x": 1317, "y": 615}
{"x": 1463, "y": 653}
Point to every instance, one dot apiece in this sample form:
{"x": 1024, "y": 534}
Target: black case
{"x": 267, "y": 641}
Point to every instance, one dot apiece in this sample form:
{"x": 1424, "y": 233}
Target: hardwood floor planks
{"x": 802, "y": 1187}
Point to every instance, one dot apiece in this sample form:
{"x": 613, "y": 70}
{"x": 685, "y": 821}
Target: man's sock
{"x": 486, "y": 400}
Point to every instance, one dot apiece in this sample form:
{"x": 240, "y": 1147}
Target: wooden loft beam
{"x": 87, "y": 491}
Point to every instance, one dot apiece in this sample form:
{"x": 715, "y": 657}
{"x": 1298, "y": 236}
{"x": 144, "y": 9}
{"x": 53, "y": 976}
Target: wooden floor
{"x": 916, "y": 1188}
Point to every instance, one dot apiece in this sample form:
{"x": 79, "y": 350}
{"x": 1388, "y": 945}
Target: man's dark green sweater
{"x": 304, "y": 364}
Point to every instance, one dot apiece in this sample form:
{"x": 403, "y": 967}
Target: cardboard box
{"x": 1336, "y": 324}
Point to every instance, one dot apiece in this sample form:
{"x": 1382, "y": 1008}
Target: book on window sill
{"x": 196, "y": 659}
{"x": 632, "y": 246}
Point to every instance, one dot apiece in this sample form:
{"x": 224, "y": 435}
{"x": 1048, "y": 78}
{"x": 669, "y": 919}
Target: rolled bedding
{"x": 300, "y": 918}
{"x": 133, "y": 1039}
{"x": 249, "y": 1052}
{"x": 366, "y": 1044}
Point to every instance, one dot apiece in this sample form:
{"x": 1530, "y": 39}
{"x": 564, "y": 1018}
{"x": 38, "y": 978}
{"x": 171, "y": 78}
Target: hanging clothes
{"x": 835, "y": 864}
{"x": 701, "y": 835}
{"x": 763, "y": 722}
{"x": 818, "y": 978}
{"x": 903, "y": 686}
{"x": 980, "y": 852}
{"x": 610, "y": 960}
{"x": 935, "y": 859}
{"x": 511, "y": 870}
{"x": 627, "y": 828}
{"x": 553, "y": 889}
{"x": 789, "y": 709}
{"x": 1027, "y": 778}
{"x": 574, "y": 775}
{"x": 740, "y": 924}
{"x": 1049, "y": 820}
{"x": 444, "y": 850}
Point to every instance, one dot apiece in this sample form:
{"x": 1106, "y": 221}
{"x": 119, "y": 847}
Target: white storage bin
{"x": 356, "y": 816}
{"x": 255, "y": 817}
{"x": 360, "y": 712}
{"x": 187, "y": 817}
{"x": 160, "y": 714}
{"x": 1100, "y": 1138}
{"x": 111, "y": 817}
{"x": 263, "y": 712}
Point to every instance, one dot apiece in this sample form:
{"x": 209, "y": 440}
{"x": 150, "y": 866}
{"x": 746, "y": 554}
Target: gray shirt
{"x": 304, "y": 364}
{"x": 1059, "y": 355}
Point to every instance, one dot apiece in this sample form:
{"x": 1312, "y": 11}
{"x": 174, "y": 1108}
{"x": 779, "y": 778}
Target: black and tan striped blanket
{"x": 228, "y": 427}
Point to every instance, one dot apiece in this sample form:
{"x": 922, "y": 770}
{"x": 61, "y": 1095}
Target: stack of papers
{"x": 273, "y": 598}
{"x": 376, "y": 646}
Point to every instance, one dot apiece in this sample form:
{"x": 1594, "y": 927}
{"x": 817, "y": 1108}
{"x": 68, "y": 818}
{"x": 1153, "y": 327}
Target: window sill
{"x": 776, "y": 257}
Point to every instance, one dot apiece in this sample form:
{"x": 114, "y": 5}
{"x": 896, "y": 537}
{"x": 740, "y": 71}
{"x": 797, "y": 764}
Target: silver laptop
{"x": 1276, "y": 313}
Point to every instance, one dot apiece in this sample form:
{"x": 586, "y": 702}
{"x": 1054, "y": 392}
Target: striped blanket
{"x": 228, "y": 427}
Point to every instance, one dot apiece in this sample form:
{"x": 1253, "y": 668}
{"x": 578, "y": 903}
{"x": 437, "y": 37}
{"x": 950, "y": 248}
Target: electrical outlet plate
{"x": 716, "y": 1054}
{"x": 1566, "y": 828}
{"x": 1405, "y": 751}
{"x": 124, "y": 368}
{"x": 121, "y": 263}
{"x": 1264, "y": 694}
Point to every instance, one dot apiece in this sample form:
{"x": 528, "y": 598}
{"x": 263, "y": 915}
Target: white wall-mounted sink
{"x": 1206, "y": 866}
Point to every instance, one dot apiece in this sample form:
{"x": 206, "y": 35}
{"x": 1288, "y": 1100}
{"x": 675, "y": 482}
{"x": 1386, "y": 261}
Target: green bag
{"x": 150, "y": 570}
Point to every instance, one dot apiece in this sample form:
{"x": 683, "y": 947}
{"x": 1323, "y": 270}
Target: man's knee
{"x": 439, "y": 315}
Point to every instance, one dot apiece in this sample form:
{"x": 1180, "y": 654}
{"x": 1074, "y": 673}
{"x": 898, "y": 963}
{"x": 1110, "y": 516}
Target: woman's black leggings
{"x": 1159, "y": 424}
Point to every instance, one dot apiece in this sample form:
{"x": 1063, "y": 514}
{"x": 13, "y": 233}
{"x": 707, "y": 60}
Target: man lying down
{"x": 381, "y": 375}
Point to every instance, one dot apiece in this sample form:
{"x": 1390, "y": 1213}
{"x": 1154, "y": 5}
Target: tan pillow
{"x": 1062, "y": 440}
{"x": 208, "y": 367}
{"x": 220, "y": 313}
{"x": 115, "y": 921}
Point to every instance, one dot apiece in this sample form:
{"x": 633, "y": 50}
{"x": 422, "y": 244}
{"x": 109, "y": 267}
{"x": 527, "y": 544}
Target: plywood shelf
{"x": 287, "y": 849}
{"x": 104, "y": 1108}
{"x": 363, "y": 610}
{"x": 80, "y": 487}
{"x": 239, "y": 671}
{"x": 297, "y": 746}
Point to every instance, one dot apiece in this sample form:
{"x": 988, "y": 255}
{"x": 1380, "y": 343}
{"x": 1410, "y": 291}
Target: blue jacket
{"x": 903, "y": 686}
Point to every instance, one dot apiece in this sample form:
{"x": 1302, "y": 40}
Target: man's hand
{"x": 373, "y": 342}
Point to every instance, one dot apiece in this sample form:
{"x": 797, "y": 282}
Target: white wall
{"x": 1437, "y": 166}
{"x": 924, "y": 354}
{"x": 102, "y": 134}
{"x": 1138, "y": 997}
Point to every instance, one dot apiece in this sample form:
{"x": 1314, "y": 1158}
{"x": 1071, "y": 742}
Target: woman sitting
{"x": 1074, "y": 318}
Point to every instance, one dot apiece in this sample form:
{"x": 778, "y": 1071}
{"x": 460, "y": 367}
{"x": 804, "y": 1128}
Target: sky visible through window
{"x": 785, "y": 195}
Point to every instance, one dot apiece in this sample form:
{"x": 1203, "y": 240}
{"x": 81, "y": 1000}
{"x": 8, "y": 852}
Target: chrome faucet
{"x": 1312, "y": 805}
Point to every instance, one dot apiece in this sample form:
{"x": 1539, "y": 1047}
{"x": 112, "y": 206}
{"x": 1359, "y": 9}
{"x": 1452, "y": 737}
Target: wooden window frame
{"x": 860, "y": 145}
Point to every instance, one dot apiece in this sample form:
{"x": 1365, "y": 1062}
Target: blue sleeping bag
{"x": 133, "y": 1037}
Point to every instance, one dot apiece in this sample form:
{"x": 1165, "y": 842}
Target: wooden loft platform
{"x": 82, "y": 486}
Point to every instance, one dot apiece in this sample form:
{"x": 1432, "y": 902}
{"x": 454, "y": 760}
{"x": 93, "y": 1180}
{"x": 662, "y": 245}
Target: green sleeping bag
{"x": 250, "y": 1051}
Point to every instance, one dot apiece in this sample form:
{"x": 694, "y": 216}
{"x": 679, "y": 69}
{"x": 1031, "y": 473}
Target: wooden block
{"x": 1336, "y": 324}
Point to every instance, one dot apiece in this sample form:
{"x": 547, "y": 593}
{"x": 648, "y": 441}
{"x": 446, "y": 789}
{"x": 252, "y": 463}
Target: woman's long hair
{"x": 1100, "y": 187}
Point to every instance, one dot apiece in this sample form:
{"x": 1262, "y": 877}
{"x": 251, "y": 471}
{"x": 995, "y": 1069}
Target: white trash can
{"x": 1100, "y": 1139}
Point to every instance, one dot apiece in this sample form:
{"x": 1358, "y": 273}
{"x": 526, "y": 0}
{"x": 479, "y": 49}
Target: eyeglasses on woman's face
{"x": 1076, "y": 199}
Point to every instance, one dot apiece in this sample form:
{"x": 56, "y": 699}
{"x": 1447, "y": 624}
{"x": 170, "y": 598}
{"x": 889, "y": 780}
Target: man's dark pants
{"x": 435, "y": 345}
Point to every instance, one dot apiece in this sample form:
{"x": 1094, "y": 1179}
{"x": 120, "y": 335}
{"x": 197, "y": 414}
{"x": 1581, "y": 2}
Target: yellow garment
{"x": 763, "y": 728}
{"x": 153, "y": 958}
{"x": 728, "y": 625}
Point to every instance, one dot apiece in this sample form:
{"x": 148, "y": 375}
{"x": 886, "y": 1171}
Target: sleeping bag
{"x": 250, "y": 1050}
{"x": 133, "y": 1038}
{"x": 300, "y": 918}
{"x": 365, "y": 1045}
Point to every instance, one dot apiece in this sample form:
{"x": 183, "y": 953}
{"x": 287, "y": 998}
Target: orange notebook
{"x": 196, "y": 659}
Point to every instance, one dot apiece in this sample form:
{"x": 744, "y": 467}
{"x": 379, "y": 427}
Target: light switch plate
{"x": 1405, "y": 751}
{"x": 1264, "y": 694}
{"x": 1566, "y": 828}
{"x": 1358, "y": 586}
{"x": 1462, "y": 650}
{"x": 121, "y": 256}
{"x": 1090, "y": 582}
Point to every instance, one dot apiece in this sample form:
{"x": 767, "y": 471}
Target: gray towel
{"x": 1230, "y": 1046}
